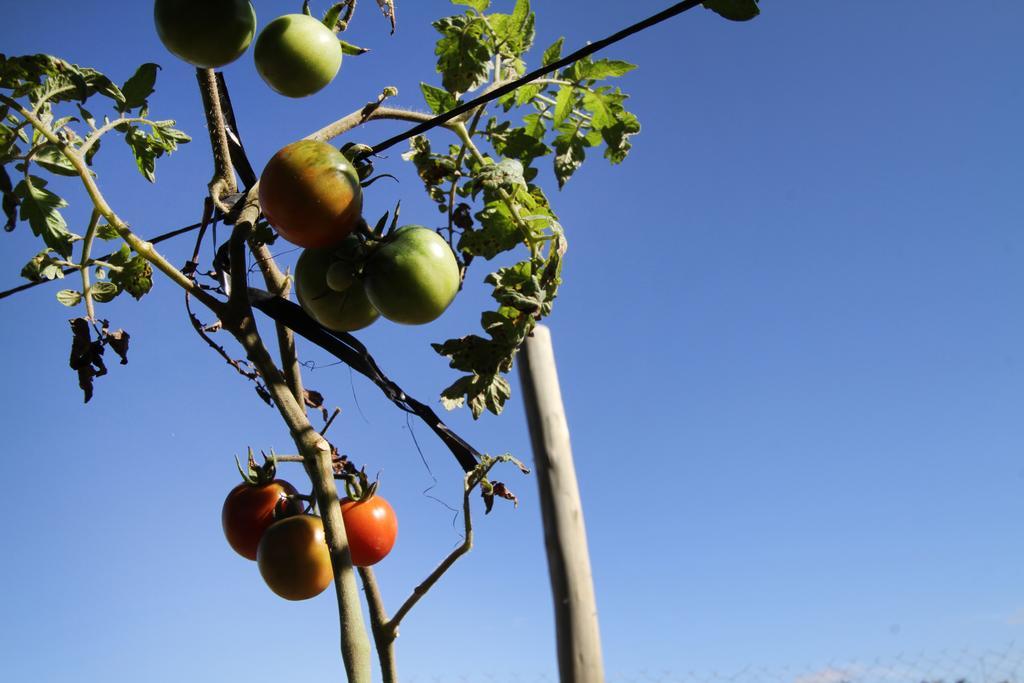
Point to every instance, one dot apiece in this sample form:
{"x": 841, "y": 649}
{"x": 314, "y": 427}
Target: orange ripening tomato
{"x": 310, "y": 192}
{"x": 293, "y": 558}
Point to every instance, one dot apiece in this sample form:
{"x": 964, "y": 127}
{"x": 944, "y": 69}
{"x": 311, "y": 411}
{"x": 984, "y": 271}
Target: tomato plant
{"x": 293, "y": 557}
{"x": 205, "y": 33}
{"x": 371, "y": 526}
{"x": 250, "y": 508}
{"x": 310, "y": 193}
{"x": 297, "y": 55}
{"x": 413, "y": 276}
{"x": 342, "y": 309}
{"x": 484, "y": 181}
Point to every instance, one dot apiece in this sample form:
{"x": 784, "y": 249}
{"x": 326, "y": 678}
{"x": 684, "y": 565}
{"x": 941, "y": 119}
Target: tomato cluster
{"x": 295, "y": 54}
{"x": 346, "y": 279}
{"x": 264, "y": 520}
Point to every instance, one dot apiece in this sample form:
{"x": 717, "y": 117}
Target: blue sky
{"x": 790, "y": 346}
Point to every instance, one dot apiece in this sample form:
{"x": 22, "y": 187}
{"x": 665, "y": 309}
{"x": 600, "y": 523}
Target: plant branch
{"x": 201, "y": 331}
{"x": 575, "y": 112}
{"x": 141, "y": 246}
{"x": 513, "y": 206}
{"x": 357, "y": 118}
{"x": 314, "y": 449}
{"x": 90, "y": 236}
{"x": 223, "y": 181}
{"x": 382, "y": 637}
{"x": 428, "y": 583}
{"x": 43, "y": 101}
{"x": 280, "y": 284}
{"x": 97, "y": 133}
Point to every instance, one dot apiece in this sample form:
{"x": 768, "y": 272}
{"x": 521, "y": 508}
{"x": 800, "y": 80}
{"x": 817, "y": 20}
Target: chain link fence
{"x": 999, "y": 665}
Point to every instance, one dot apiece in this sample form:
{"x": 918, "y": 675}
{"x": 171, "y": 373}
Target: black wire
{"x": 672, "y": 11}
{"x": 590, "y": 49}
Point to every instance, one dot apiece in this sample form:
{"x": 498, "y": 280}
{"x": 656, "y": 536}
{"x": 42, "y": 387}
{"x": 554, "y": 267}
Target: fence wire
{"x": 997, "y": 665}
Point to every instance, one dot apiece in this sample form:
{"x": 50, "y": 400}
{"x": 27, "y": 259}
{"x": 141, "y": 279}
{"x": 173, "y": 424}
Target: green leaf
{"x": 734, "y": 10}
{"x": 564, "y": 103}
{"x": 103, "y": 291}
{"x": 139, "y": 87}
{"x": 601, "y": 107}
{"x": 553, "y": 53}
{"x": 506, "y": 175}
{"x": 42, "y": 267}
{"x": 69, "y": 297}
{"x": 534, "y": 125}
{"x": 53, "y": 160}
{"x": 569, "y": 156}
{"x": 120, "y": 257}
{"x": 515, "y": 32}
{"x": 484, "y": 392}
{"x": 46, "y": 80}
{"x": 437, "y": 99}
{"x": 144, "y": 150}
{"x": 471, "y": 352}
{"x": 525, "y": 93}
{"x": 602, "y": 68}
{"x": 616, "y": 137}
{"x": 106, "y": 231}
{"x": 498, "y": 232}
{"x": 40, "y": 207}
{"x": 479, "y": 5}
{"x": 135, "y": 277}
{"x": 148, "y": 146}
{"x": 87, "y": 116}
{"x": 520, "y": 144}
{"x": 463, "y": 52}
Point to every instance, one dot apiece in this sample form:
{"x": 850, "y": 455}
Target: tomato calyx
{"x": 257, "y": 475}
{"x": 358, "y": 486}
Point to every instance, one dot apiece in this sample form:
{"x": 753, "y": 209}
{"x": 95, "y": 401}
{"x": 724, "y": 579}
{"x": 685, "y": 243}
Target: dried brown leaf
{"x": 86, "y": 356}
{"x": 388, "y": 8}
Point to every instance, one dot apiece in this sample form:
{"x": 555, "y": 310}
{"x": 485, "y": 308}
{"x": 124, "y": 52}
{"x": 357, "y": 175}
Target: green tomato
{"x": 205, "y": 33}
{"x": 311, "y": 194}
{"x": 413, "y": 277}
{"x": 344, "y": 311}
{"x": 297, "y": 55}
{"x": 340, "y": 276}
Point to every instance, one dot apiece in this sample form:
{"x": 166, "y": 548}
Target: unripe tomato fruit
{"x": 250, "y": 509}
{"x": 371, "y": 527}
{"x": 293, "y": 558}
{"x": 344, "y": 311}
{"x": 413, "y": 277}
{"x": 205, "y": 33}
{"x": 311, "y": 194}
{"x": 297, "y": 55}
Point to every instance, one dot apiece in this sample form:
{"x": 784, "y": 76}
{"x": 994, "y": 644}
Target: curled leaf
{"x": 86, "y": 356}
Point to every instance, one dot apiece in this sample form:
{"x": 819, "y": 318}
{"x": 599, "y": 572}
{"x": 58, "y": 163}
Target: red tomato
{"x": 371, "y": 527}
{"x": 251, "y": 508}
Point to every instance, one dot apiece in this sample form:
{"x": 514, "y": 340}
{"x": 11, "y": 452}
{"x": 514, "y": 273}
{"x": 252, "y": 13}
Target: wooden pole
{"x": 565, "y": 537}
